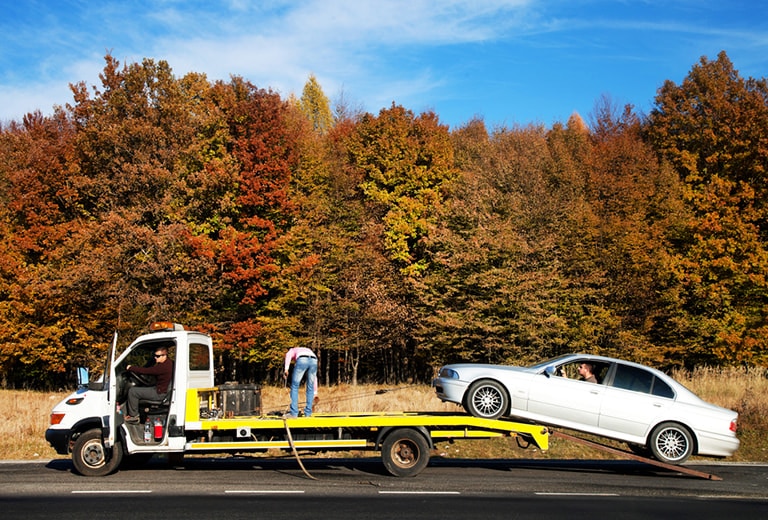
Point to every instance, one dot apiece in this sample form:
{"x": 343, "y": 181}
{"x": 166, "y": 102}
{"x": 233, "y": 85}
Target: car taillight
{"x": 56, "y": 418}
{"x": 733, "y": 426}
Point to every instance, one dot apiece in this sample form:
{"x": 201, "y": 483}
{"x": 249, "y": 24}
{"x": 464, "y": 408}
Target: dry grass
{"x": 25, "y": 418}
{"x": 365, "y": 398}
{"x": 25, "y": 414}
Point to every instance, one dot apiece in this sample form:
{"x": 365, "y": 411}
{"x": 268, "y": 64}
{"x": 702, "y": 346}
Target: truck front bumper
{"x": 59, "y": 440}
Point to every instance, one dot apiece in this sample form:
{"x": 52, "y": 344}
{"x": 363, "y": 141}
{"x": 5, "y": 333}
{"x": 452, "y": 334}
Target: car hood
{"x": 474, "y": 368}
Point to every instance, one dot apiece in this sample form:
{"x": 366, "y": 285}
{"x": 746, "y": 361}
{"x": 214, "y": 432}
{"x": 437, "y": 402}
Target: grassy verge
{"x": 25, "y": 416}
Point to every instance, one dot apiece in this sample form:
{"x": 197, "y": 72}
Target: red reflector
{"x": 56, "y": 418}
{"x": 733, "y": 426}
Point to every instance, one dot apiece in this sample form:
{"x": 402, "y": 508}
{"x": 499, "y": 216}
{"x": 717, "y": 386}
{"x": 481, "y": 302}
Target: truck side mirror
{"x": 82, "y": 378}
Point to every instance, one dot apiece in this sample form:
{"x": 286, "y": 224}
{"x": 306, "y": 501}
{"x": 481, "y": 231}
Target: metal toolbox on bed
{"x": 238, "y": 400}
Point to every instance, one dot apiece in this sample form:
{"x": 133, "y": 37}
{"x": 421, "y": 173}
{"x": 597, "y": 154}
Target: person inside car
{"x": 587, "y": 372}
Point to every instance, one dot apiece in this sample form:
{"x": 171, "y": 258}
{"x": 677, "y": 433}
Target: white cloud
{"x": 408, "y": 51}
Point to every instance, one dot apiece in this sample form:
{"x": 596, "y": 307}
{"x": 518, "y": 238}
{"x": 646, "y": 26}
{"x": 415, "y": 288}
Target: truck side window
{"x": 198, "y": 357}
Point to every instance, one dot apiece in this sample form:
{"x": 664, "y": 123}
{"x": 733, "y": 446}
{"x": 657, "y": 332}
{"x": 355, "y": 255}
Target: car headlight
{"x": 449, "y": 373}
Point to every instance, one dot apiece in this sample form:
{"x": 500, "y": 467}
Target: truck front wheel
{"x": 405, "y": 452}
{"x": 91, "y": 458}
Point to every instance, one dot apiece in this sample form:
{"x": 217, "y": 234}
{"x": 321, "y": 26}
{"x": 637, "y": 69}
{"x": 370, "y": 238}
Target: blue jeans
{"x": 308, "y": 366}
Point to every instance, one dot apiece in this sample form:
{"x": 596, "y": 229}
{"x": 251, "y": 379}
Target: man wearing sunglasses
{"x": 162, "y": 369}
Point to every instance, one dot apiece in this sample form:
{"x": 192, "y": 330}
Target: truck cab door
{"x": 110, "y": 420}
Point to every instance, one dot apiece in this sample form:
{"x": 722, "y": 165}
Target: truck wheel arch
{"x": 385, "y": 431}
{"x": 81, "y": 427}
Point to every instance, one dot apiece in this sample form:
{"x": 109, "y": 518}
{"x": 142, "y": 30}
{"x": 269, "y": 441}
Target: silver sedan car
{"x": 603, "y": 396}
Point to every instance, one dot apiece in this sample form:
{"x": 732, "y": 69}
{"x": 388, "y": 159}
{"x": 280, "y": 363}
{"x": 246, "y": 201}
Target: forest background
{"x": 389, "y": 243}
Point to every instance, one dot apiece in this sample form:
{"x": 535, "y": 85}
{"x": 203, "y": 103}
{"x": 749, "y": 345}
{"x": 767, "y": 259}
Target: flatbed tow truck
{"x": 198, "y": 417}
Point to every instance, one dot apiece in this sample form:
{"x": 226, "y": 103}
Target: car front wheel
{"x": 671, "y": 442}
{"x": 486, "y": 399}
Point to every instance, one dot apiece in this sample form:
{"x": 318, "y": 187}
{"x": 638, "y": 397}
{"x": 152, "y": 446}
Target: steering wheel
{"x": 126, "y": 380}
{"x": 141, "y": 379}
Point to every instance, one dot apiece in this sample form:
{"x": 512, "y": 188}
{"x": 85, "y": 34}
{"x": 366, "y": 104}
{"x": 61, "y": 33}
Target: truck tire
{"x": 405, "y": 452}
{"x": 91, "y": 458}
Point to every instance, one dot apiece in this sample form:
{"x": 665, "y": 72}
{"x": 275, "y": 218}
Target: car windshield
{"x": 541, "y": 364}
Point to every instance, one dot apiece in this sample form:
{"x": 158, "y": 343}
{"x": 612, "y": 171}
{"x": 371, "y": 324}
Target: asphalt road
{"x": 360, "y": 488}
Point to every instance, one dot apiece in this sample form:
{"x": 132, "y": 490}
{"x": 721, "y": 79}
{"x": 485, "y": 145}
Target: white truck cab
{"x": 88, "y": 423}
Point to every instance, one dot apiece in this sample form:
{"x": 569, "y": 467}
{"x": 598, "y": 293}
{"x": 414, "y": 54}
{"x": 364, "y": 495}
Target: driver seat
{"x": 158, "y": 406}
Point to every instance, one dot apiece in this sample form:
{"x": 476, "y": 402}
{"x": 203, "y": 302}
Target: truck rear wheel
{"x": 91, "y": 458}
{"x": 405, "y": 452}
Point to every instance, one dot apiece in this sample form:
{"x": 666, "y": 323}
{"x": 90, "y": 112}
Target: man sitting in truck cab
{"x": 162, "y": 369}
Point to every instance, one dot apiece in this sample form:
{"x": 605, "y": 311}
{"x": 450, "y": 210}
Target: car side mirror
{"x": 549, "y": 371}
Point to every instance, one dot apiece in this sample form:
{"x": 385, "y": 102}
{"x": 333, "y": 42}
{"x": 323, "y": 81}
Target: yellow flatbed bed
{"x": 404, "y": 438}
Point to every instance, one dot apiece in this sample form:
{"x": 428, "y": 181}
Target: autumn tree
{"x": 344, "y": 297}
{"x": 40, "y": 337}
{"x": 406, "y": 160}
{"x": 160, "y": 198}
{"x": 712, "y": 128}
{"x": 264, "y": 152}
{"x": 637, "y": 203}
{"x": 496, "y": 291}
{"x": 314, "y": 104}
{"x": 132, "y": 250}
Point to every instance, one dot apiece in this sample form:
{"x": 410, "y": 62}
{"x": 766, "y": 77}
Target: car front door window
{"x": 564, "y": 399}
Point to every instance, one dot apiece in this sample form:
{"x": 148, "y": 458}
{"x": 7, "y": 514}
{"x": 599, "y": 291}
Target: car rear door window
{"x": 639, "y": 380}
{"x": 633, "y": 378}
{"x": 662, "y": 389}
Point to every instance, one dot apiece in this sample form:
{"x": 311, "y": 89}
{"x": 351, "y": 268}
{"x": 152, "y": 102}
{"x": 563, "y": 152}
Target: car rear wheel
{"x": 486, "y": 399}
{"x": 671, "y": 442}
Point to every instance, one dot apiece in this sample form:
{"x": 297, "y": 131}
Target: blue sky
{"x": 507, "y": 61}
